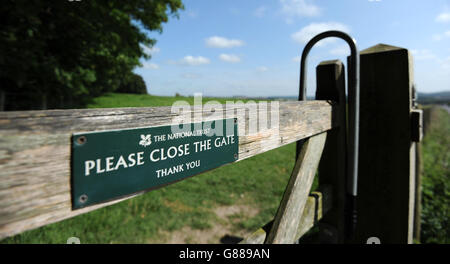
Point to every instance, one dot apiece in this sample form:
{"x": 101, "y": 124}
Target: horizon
{"x": 281, "y": 96}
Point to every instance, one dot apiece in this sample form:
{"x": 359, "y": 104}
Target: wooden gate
{"x": 35, "y": 154}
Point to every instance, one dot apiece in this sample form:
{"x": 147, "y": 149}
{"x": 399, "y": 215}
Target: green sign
{"x": 111, "y": 164}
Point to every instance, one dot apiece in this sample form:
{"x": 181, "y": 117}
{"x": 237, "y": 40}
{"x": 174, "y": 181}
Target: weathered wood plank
{"x": 291, "y": 208}
{"x": 35, "y": 150}
{"x": 330, "y": 76}
{"x": 317, "y": 206}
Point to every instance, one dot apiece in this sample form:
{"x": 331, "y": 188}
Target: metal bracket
{"x": 353, "y": 113}
{"x": 416, "y": 125}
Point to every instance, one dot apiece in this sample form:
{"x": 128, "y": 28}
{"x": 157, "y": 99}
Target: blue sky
{"x": 252, "y": 48}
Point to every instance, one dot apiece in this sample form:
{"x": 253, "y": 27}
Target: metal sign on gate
{"x": 108, "y": 165}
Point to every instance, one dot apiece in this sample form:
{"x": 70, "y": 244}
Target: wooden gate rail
{"x": 35, "y": 151}
{"x": 317, "y": 205}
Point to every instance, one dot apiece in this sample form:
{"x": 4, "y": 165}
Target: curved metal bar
{"x": 353, "y": 97}
{"x": 353, "y": 114}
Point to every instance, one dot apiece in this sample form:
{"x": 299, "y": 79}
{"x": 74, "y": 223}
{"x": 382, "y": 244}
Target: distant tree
{"x": 61, "y": 53}
{"x": 135, "y": 84}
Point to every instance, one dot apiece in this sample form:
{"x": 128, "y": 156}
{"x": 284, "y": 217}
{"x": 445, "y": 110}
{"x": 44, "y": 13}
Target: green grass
{"x": 258, "y": 182}
{"x": 436, "y": 177}
{"x": 113, "y": 100}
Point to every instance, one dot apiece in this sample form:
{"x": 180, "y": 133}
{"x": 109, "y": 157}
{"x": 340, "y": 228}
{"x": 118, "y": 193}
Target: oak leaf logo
{"x": 146, "y": 140}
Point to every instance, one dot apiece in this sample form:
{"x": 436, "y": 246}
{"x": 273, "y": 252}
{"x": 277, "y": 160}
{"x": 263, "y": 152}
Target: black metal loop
{"x": 353, "y": 100}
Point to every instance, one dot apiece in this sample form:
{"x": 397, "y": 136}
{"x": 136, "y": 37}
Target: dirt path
{"x": 223, "y": 230}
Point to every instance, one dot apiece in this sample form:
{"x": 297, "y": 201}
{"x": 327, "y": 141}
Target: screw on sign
{"x": 373, "y": 240}
{"x": 73, "y": 240}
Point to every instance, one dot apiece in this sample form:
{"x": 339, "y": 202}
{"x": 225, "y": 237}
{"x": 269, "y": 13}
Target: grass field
{"x": 133, "y": 100}
{"x": 436, "y": 176}
{"x": 234, "y": 199}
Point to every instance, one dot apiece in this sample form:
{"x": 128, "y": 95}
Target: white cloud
{"x": 437, "y": 37}
{"x": 296, "y": 59}
{"x": 191, "y": 76}
{"x": 192, "y": 13}
{"x": 260, "y": 11}
{"x": 230, "y": 58}
{"x": 151, "y": 66}
{"x": 445, "y": 63}
{"x": 298, "y": 8}
{"x": 150, "y": 50}
{"x": 423, "y": 54}
{"x": 307, "y": 33}
{"x": 191, "y": 61}
{"x": 342, "y": 50}
{"x": 443, "y": 17}
{"x": 221, "y": 42}
{"x": 262, "y": 69}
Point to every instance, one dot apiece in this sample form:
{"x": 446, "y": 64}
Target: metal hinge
{"x": 416, "y": 125}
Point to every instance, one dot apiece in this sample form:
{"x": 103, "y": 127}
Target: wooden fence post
{"x": 386, "y": 185}
{"x": 332, "y": 167}
{"x": 2, "y": 100}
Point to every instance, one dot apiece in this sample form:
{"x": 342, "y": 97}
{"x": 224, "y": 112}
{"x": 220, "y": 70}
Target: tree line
{"x": 60, "y": 54}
